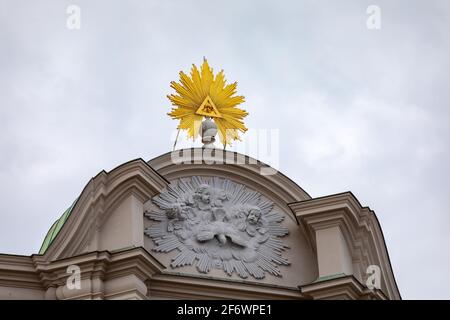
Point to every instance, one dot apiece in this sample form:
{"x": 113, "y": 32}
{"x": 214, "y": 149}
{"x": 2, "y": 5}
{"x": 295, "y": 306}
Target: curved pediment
{"x": 215, "y": 217}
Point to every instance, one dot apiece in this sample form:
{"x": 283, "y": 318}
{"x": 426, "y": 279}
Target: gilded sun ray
{"x": 203, "y": 94}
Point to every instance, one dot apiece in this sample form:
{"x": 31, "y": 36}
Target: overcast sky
{"x": 356, "y": 109}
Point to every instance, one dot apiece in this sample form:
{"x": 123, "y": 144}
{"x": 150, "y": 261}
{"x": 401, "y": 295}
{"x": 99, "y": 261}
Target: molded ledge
{"x": 352, "y": 236}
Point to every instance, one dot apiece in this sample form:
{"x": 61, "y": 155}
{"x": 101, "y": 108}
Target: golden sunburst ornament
{"x": 203, "y": 95}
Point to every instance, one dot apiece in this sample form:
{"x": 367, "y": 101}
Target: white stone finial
{"x": 208, "y": 131}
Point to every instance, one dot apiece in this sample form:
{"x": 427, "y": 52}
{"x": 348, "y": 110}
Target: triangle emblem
{"x": 208, "y": 109}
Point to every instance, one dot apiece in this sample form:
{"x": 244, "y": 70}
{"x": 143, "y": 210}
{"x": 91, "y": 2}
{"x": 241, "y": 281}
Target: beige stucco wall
{"x": 123, "y": 228}
{"x": 333, "y": 254}
{"x": 14, "y": 293}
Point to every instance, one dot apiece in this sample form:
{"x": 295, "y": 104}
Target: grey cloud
{"x": 358, "y": 110}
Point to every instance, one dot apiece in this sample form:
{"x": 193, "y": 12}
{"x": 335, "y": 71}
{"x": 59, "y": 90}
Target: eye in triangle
{"x": 208, "y": 109}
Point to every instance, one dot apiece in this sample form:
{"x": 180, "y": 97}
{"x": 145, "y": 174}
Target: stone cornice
{"x": 176, "y": 286}
{"x": 105, "y": 264}
{"x": 18, "y": 271}
{"x": 341, "y": 209}
{"x": 241, "y": 165}
{"x": 359, "y": 226}
{"x": 138, "y": 262}
{"x": 347, "y": 287}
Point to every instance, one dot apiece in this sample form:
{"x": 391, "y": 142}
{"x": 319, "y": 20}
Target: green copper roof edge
{"x": 55, "y": 229}
{"x": 47, "y": 237}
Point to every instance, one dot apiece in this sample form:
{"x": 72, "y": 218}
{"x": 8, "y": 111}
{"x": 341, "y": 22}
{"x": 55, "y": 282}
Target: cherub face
{"x": 206, "y": 196}
{"x": 203, "y": 194}
{"x": 253, "y": 216}
{"x": 175, "y": 211}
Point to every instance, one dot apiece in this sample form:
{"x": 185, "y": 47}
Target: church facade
{"x": 204, "y": 224}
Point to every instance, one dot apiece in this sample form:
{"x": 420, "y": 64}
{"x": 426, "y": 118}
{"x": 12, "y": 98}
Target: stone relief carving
{"x": 217, "y": 223}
